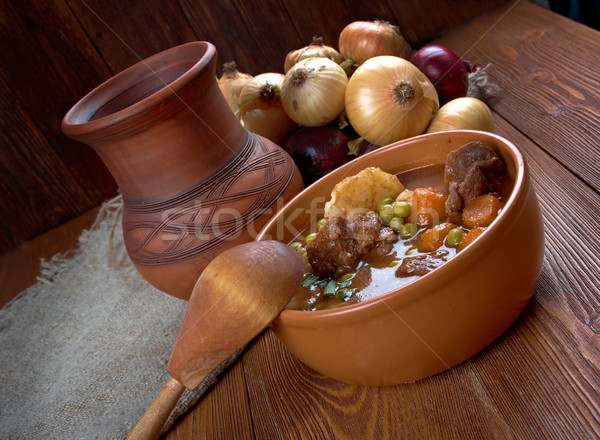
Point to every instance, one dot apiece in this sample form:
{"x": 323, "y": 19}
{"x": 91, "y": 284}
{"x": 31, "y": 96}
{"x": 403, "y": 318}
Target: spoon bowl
{"x": 237, "y": 296}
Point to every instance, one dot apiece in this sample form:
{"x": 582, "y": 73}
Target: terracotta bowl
{"x": 442, "y": 318}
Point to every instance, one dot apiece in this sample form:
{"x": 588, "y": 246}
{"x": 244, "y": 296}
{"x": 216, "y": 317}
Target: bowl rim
{"x": 408, "y": 292}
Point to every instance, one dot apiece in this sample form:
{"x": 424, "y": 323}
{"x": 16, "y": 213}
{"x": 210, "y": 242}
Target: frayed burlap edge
{"x": 38, "y": 398}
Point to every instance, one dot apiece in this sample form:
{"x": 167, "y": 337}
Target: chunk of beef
{"x": 385, "y": 241}
{"x": 460, "y": 161}
{"x": 473, "y": 185}
{"x": 470, "y": 171}
{"x": 365, "y": 230}
{"x": 333, "y": 246}
{"x": 342, "y": 242}
{"x": 453, "y": 203}
{"x": 421, "y": 264}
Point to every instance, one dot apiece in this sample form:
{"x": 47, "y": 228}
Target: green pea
{"x": 296, "y": 245}
{"x": 402, "y": 209}
{"x": 310, "y": 237}
{"x": 396, "y": 223}
{"x": 346, "y": 277}
{"x": 411, "y": 251}
{"x": 387, "y": 213}
{"x": 454, "y": 237}
{"x": 305, "y": 256}
{"x": 393, "y": 263}
{"x": 408, "y": 230}
{"x": 385, "y": 201}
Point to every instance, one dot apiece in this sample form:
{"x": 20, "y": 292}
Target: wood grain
{"x": 256, "y": 35}
{"x": 120, "y": 42}
{"x": 44, "y": 53}
{"x": 224, "y": 412}
{"x": 28, "y": 158}
{"x": 20, "y": 266}
{"x": 422, "y": 21}
{"x": 309, "y": 24}
{"x": 536, "y": 63}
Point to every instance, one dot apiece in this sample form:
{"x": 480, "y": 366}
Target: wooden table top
{"x": 541, "y": 379}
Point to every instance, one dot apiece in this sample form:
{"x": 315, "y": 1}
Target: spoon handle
{"x": 152, "y": 421}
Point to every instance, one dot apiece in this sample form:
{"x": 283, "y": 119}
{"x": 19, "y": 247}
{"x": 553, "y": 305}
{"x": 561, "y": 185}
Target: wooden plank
{"x": 47, "y": 64}
{"x": 223, "y": 413}
{"x": 555, "y": 390}
{"x": 38, "y": 192}
{"x": 20, "y": 267}
{"x": 256, "y": 35}
{"x": 157, "y": 25}
{"x": 557, "y": 108}
{"x": 328, "y": 19}
{"x": 423, "y": 20}
{"x": 290, "y": 400}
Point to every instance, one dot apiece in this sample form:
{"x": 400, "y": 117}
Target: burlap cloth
{"x": 84, "y": 351}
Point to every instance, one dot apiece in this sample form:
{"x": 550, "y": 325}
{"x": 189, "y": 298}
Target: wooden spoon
{"x": 238, "y": 294}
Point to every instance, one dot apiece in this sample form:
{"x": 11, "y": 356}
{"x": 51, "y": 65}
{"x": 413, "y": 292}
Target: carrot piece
{"x": 428, "y": 206}
{"x": 431, "y": 239}
{"x": 481, "y": 211}
{"x": 469, "y": 237}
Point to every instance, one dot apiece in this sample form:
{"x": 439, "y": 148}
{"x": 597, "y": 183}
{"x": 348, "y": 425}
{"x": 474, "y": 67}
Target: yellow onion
{"x": 313, "y": 91}
{"x": 389, "y": 99}
{"x": 316, "y": 49}
{"x": 231, "y": 83}
{"x": 260, "y": 107}
{"x": 462, "y": 114}
{"x": 362, "y": 40}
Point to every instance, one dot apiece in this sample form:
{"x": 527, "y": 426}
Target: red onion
{"x": 445, "y": 70}
{"x": 317, "y": 151}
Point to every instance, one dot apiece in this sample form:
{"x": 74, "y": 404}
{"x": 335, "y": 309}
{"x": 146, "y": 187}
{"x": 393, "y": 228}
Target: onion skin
{"x": 231, "y": 84}
{"x": 464, "y": 113}
{"x": 261, "y": 111}
{"x": 317, "y": 151}
{"x": 312, "y": 93}
{"x": 362, "y": 40}
{"x": 445, "y": 70}
{"x": 373, "y": 107}
{"x": 314, "y": 50}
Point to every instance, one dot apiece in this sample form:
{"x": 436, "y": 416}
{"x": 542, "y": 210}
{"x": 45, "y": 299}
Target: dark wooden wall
{"x": 52, "y": 52}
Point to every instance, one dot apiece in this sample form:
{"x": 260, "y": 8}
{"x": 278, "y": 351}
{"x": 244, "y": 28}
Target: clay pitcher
{"x": 193, "y": 180}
